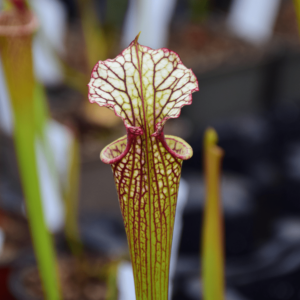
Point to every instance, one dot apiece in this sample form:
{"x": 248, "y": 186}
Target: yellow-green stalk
{"x": 297, "y": 7}
{"x": 111, "y": 281}
{"x": 72, "y": 201}
{"x": 212, "y": 236}
{"x": 95, "y": 46}
{"x": 16, "y": 29}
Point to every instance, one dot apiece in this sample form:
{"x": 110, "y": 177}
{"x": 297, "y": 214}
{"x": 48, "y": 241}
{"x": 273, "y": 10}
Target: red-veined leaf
{"x": 150, "y": 87}
{"x": 146, "y": 87}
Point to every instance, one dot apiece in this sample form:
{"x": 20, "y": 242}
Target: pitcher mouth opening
{"x": 115, "y": 151}
{"x": 178, "y": 147}
{"x": 18, "y": 24}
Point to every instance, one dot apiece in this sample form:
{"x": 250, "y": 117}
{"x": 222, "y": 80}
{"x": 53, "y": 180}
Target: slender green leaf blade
{"x": 72, "y": 200}
{"x": 15, "y": 47}
{"x": 297, "y": 8}
{"x": 212, "y": 239}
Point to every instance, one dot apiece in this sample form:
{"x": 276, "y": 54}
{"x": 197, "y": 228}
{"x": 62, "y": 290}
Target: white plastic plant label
{"x": 253, "y": 20}
{"x": 51, "y": 197}
{"x": 125, "y": 282}
{"x": 152, "y": 18}
{"x": 2, "y": 239}
{"x": 52, "y": 170}
{"x": 49, "y": 40}
{"x": 6, "y": 116}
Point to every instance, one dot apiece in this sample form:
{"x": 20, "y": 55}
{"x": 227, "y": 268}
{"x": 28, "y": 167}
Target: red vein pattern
{"x": 146, "y": 87}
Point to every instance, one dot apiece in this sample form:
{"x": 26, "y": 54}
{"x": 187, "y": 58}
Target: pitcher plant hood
{"x": 144, "y": 87}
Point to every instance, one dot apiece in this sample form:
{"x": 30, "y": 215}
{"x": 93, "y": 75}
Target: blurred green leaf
{"x": 212, "y": 235}
{"x": 199, "y": 9}
{"x": 18, "y": 69}
{"x": 72, "y": 201}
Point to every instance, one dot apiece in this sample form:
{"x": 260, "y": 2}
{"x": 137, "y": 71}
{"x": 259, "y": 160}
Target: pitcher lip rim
{"x": 19, "y": 30}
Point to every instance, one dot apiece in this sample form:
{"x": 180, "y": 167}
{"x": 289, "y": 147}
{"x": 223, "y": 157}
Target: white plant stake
{"x": 49, "y": 40}
{"x": 152, "y": 18}
{"x": 6, "y": 116}
{"x": 253, "y": 20}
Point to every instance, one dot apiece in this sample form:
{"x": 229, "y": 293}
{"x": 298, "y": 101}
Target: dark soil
{"x": 80, "y": 280}
{"x": 17, "y": 236}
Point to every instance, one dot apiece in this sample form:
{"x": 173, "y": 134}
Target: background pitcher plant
{"x": 146, "y": 87}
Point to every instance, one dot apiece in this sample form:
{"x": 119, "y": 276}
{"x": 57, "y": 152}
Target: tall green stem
{"x": 15, "y": 45}
{"x": 212, "y": 239}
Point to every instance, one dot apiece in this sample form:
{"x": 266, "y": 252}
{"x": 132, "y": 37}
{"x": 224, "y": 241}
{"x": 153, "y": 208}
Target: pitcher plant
{"x": 146, "y": 87}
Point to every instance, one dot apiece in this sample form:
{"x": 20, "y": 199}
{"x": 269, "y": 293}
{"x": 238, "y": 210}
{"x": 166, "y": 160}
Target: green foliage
{"x": 297, "y": 8}
{"x": 212, "y": 235}
{"x": 199, "y": 9}
{"x": 72, "y": 202}
{"x": 29, "y": 120}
